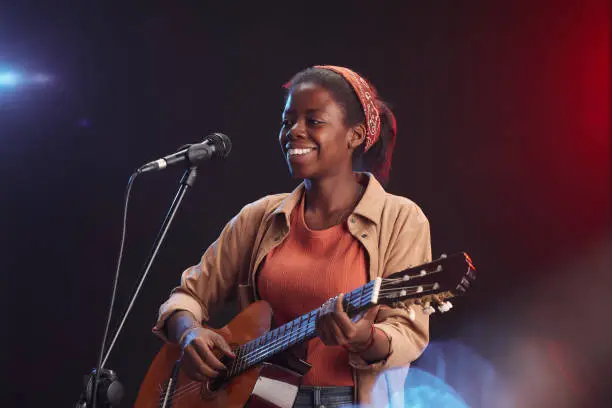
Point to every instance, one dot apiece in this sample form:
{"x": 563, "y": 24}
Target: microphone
{"x": 214, "y": 145}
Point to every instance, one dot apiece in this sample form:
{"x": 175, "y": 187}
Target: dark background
{"x": 503, "y": 116}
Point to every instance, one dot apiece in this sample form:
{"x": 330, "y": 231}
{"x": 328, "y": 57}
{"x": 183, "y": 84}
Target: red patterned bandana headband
{"x": 367, "y": 96}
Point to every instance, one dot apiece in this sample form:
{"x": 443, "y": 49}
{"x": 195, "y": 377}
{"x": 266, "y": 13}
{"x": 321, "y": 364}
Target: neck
{"x": 332, "y": 194}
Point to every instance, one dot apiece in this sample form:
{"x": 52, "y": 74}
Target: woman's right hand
{"x": 201, "y": 347}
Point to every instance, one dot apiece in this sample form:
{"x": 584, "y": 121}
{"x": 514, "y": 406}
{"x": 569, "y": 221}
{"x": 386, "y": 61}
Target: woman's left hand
{"x": 337, "y": 328}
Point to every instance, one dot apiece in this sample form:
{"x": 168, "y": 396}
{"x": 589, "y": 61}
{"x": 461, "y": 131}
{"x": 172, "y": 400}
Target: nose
{"x": 298, "y": 130}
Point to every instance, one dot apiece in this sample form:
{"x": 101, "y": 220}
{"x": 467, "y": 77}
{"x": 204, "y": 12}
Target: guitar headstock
{"x": 431, "y": 283}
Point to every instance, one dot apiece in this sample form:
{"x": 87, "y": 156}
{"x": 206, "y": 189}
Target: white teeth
{"x": 293, "y": 152}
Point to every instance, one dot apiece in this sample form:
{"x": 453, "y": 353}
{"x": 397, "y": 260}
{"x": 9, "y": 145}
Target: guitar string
{"x": 193, "y": 385}
{"x": 185, "y": 390}
{"x": 412, "y": 277}
{"x": 302, "y": 329}
{"x": 255, "y": 354}
{"x": 426, "y": 287}
{"x": 286, "y": 340}
{"x": 301, "y": 322}
{"x": 248, "y": 357}
{"x": 179, "y": 394}
{"x": 251, "y": 356}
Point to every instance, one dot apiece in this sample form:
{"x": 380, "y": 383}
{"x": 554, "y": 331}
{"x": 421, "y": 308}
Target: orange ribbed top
{"x": 306, "y": 269}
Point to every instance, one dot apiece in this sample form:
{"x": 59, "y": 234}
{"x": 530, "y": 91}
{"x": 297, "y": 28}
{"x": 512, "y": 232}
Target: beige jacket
{"x": 393, "y": 230}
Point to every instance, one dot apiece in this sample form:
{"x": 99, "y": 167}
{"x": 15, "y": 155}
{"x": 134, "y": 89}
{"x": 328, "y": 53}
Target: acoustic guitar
{"x": 252, "y": 380}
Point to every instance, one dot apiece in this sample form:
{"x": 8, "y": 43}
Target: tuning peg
{"x": 445, "y": 307}
{"x": 428, "y": 309}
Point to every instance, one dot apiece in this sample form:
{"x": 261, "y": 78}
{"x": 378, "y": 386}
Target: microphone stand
{"x": 103, "y": 383}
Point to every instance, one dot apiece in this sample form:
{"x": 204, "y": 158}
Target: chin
{"x": 301, "y": 172}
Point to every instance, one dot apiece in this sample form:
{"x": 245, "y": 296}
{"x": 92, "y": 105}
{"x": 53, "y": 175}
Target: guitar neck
{"x": 298, "y": 330}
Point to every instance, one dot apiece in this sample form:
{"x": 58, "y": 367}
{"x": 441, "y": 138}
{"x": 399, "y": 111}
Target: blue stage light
{"x": 9, "y": 79}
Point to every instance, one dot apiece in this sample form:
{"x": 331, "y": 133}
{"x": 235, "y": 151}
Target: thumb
{"x": 370, "y": 315}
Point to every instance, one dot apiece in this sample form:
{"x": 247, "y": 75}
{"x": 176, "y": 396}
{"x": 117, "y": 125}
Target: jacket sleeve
{"x": 406, "y": 326}
{"x": 214, "y": 280}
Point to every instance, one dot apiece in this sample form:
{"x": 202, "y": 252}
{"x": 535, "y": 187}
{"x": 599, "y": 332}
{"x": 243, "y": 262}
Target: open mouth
{"x": 299, "y": 152}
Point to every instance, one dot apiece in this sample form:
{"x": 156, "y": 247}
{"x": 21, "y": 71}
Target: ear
{"x": 356, "y": 136}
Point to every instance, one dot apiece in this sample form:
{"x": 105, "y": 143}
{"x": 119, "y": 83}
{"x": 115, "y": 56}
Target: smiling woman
{"x": 338, "y": 230}
{"x": 343, "y": 98}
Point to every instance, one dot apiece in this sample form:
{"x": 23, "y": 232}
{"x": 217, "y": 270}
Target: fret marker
{"x": 423, "y": 272}
{"x": 406, "y": 277}
{"x": 419, "y": 289}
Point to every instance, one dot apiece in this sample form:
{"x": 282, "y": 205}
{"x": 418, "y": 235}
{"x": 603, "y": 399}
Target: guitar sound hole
{"x": 217, "y": 383}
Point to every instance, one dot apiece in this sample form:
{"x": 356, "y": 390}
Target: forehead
{"x": 310, "y": 96}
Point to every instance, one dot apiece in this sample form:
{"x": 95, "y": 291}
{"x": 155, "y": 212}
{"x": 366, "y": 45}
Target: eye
{"x": 315, "y": 122}
{"x": 286, "y": 122}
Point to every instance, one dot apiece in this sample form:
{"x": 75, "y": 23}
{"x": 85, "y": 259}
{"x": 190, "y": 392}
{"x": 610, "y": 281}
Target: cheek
{"x": 337, "y": 143}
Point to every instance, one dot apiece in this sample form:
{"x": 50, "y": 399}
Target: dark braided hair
{"x": 377, "y": 159}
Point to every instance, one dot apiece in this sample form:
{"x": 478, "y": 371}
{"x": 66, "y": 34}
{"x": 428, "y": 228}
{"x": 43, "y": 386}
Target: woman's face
{"x": 314, "y": 137}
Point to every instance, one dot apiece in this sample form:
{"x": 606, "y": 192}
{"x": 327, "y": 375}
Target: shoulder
{"x": 403, "y": 210}
{"x": 389, "y": 210}
{"x": 406, "y": 228}
{"x": 262, "y": 207}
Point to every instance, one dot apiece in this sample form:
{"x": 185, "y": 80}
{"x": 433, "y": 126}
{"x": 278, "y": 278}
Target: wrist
{"x": 188, "y": 334}
{"x": 363, "y": 346}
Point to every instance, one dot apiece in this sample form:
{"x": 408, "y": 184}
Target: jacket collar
{"x": 370, "y": 205}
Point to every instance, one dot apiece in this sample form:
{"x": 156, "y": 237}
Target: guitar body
{"x": 263, "y": 386}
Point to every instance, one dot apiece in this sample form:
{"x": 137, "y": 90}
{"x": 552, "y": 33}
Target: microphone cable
{"x": 114, "y": 291}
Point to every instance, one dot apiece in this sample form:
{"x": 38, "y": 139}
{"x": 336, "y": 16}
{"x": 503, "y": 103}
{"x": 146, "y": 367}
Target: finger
{"x": 224, "y": 347}
{"x": 323, "y": 329}
{"x": 320, "y": 329}
{"x": 199, "y": 365}
{"x": 342, "y": 320}
{"x": 189, "y": 368}
{"x": 211, "y": 359}
{"x": 207, "y": 355}
{"x": 339, "y": 308}
{"x": 338, "y": 337}
{"x": 194, "y": 373}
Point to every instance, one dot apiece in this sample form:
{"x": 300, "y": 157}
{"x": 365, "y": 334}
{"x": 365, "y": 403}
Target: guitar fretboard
{"x": 296, "y": 331}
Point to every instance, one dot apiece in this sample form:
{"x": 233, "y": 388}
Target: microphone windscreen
{"x": 222, "y": 144}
